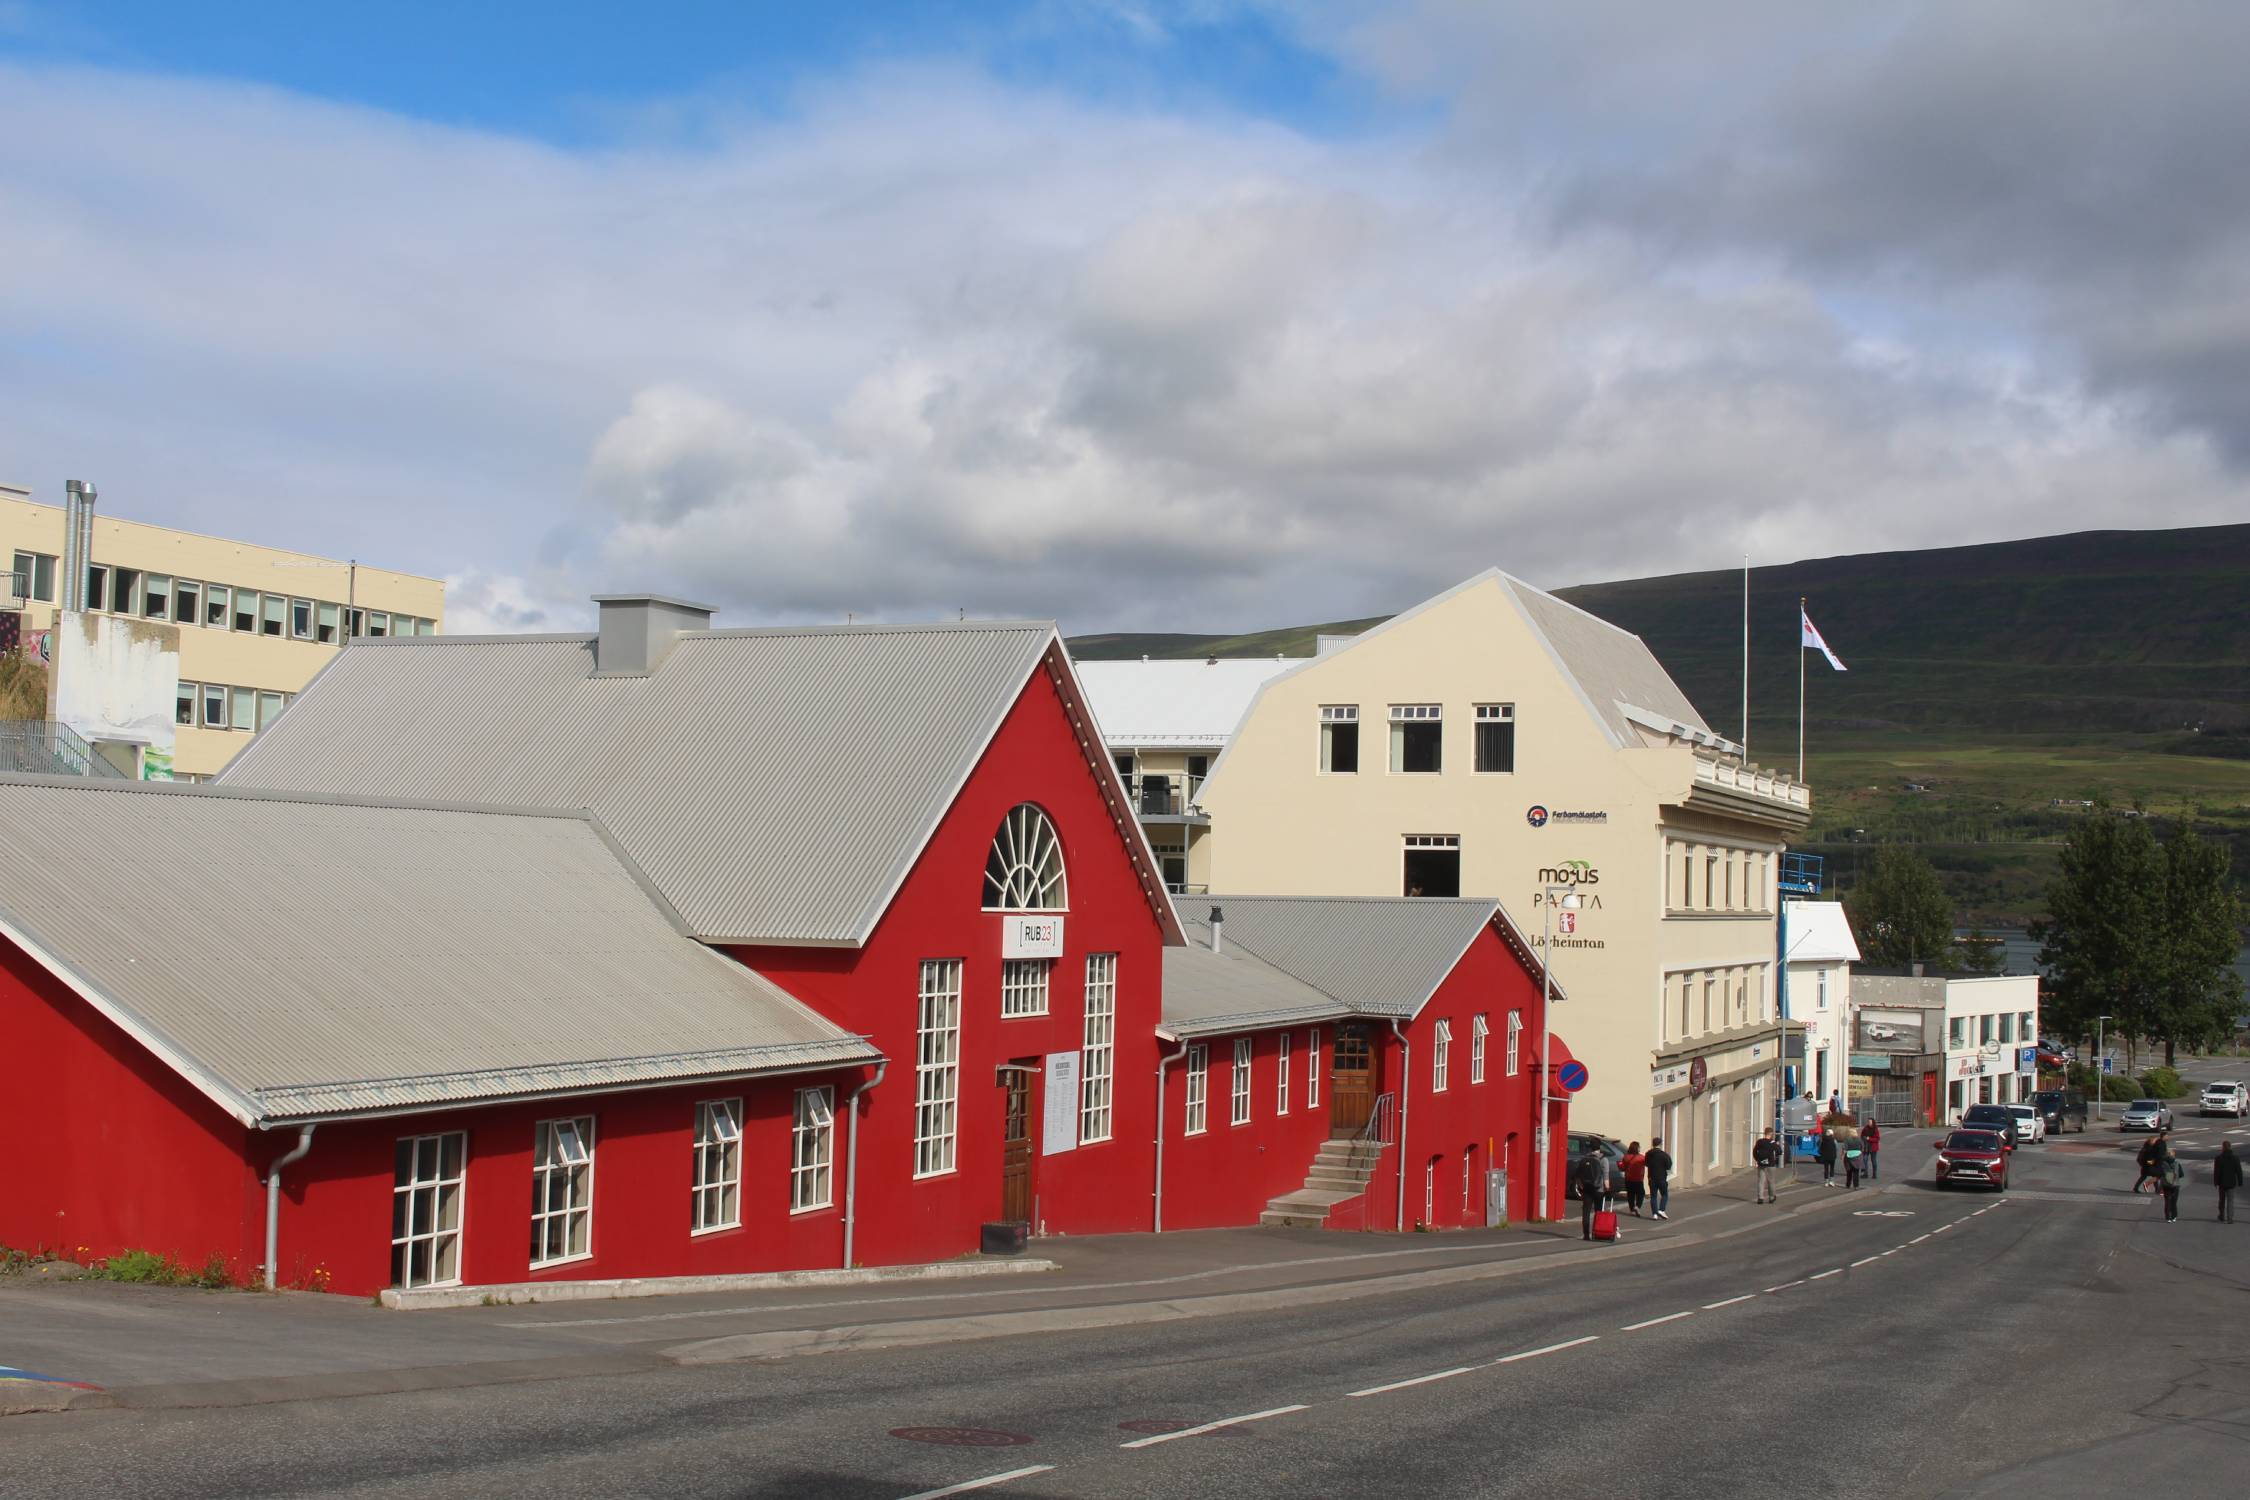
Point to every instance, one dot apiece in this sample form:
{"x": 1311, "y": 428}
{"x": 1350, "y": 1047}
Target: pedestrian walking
{"x": 1852, "y": 1155}
{"x": 1593, "y": 1190}
{"x": 2168, "y": 1175}
{"x": 2145, "y": 1158}
{"x": 1767, "y": 1154}
{"x": 2226, "y": 1176}
{"x": 1828, "y": 1158}
{"x": 1659, "y": 1163}
{"x": 1635, "y": 1168}
{"x": 1872, "y": 1142}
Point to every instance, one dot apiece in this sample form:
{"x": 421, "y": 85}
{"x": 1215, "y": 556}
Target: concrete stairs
{"x": 1340, "y": 1171}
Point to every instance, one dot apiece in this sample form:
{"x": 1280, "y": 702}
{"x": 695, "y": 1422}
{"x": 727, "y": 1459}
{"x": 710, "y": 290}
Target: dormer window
{"x": 1024, "y": 871}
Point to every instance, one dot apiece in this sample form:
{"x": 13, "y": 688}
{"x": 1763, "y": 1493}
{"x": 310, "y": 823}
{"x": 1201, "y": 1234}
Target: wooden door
{"x": 1015, "y": 1147}
{"x": 1351, "y": 1082}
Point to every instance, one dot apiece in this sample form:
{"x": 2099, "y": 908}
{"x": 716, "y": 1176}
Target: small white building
{"x": 1821, "y": 952}
{"x": 1991, "y": 1033}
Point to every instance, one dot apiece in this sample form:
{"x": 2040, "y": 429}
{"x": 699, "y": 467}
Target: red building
{"x": 677, "y": 951}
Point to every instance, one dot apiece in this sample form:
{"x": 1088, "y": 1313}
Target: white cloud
{"x": 936, "y": 344}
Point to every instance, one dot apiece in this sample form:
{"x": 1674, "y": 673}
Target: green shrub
{"x": 2162, "y": 1083}
{"x": 151, "y": 1268}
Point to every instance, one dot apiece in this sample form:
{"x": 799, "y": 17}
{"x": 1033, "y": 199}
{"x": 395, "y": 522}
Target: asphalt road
{"x": 1911, "y": 1343}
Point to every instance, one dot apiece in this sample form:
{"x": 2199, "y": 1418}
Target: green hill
{"x": 2002, "y": 679}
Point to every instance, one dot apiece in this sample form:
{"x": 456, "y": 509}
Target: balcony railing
{"x": 1753, "y": 781}
{"x": 42, "y": 747}
{"x": 1164, "y": 794}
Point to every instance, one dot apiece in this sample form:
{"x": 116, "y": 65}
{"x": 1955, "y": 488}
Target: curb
{"x": 21, "y": 1397}
{"x": 520, "y": 1293}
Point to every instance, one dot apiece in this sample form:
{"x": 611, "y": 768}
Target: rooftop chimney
{"x": 78, "y": 541}
{"x": 639, "y": 630}
{"x": 1218, "y": 929}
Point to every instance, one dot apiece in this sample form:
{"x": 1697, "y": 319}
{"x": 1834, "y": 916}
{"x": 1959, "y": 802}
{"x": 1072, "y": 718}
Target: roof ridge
{"x": 1513, "y": 580}
{"x": 283, "y": 795}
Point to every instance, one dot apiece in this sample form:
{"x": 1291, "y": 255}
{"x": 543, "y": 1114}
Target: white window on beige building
{"x": 1339, "y": 738}
{"x": 1432, "y": 865}
{"x": 1496, "y": 738}
{"x": 1417, "y": 739}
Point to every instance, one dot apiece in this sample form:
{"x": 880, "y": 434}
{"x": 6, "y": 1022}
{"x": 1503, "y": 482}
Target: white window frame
{"x": 1479, "y": 1030}
{"x": 1515, "y": 1043}
{"x": 220, "y": 597}
{"x": 562, "y": 1152}
{"x": 1429, "y": 1191}
{"x": 1331, "y": 716}
{"x": 1468, "y": 1171}
{"x": 1414, "y": 713}
{"x": 1312, "y": 1068}
{"x": 1493, "y": 713}
{"x": 1714, "y": 1123}
{"x": 445, "y": 1190}
{"x": 715, "y": 1200}
{"x": 1098, "y": 1050}
{"x": 1238, "y": 1083}
{"x": 210, "y": 690}
{"x": 1441, "y": 1057}
{"x": 1028, "y": 854}
{"x": 937, "y": 1068}
{"x": 192, "y": 692}
{"x": 1195, "y": 1107}
{"x": 812, "y": 1151}
{"x": 1281, "y": 1075}
{"x": 1024, "y": 983}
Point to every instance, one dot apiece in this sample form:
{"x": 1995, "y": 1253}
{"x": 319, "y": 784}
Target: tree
{"x": 1900, "y": 912}
{"x": 2100, "y": 942}
{"x": 2198, "y": 994}
{"x": 23, "y": 687}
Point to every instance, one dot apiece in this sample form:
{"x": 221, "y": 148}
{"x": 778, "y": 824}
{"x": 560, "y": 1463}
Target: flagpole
{"x": 1746, "y": 656}
{"x": 1800, "y": 689}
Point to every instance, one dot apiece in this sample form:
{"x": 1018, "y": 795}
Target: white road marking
{"x": 1550, "y": 1349}
{"x": 1652, "y": 1322}
{"x": 979, "y": 1484}
{"x": 1400, "y": 1385}
{"x": 1824, "y": 1275}
{"x": 1187, "y": 1432}
{"x": 1942, "y": 1228}
{"x": 1920, "y": 1237}
{"x": 1786, "y": 1285}
{"x": 1894, "y": 1250}
{"x": 1731, "y": 1301}
{"x": 1866, "y": 1260}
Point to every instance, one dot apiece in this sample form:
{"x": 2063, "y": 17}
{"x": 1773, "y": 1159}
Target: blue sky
{"x": 1214, "y": 314}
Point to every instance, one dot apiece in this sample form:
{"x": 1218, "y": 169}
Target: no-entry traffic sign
{"x": 1571, "y": 1077}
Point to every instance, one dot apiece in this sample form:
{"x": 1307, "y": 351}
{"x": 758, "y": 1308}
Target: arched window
{"x": 1024, "y": 871}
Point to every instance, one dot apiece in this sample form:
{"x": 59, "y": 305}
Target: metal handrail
{"x": 1377, "y": 1131}
{"x": 44, "y": 747}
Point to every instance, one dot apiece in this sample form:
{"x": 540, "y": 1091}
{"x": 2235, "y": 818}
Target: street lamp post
{"x": 1569, "y": 899}
{"x": 2100, "y": 1081}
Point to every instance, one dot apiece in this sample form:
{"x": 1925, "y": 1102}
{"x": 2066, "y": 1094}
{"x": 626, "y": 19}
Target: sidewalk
{"x": 162, "y": 1347}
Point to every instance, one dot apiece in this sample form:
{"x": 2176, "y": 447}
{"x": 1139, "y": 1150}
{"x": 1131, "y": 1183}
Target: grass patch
{"x": 153, "y": 1268}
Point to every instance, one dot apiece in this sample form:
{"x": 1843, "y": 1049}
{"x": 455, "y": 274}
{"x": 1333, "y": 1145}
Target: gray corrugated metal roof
{"x": 1207, "y": 993}
{"x": 774, "y": 784}
{"x": 305, "y": 956}
{"x": 1612, "y": 666}
{"x": 1381, "y": 956}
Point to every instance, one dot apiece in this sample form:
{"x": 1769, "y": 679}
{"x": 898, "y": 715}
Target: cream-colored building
{"x": 254, "y": 623}
{"x": 1496, "y": 741}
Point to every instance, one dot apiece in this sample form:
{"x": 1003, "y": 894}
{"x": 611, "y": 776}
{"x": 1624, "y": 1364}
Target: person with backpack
{"x": 2226, "y": 1176}
{"x": 1767, "y": 1154}
{"x": 1593, "y": 1190}
{"x": 1659, "y": 1163}
{"x": 1872, "y": 1143}
{"x": 1827, "y": 1158}
{"x": 1635, "y": 1168}
{"x": 2168, "y": 1176}
{"x": 1853, "y": 1153}
{"x": 2145, "y": 1158}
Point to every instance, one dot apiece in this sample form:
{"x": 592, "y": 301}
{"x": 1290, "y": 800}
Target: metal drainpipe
{"x": 1162, "y": 1063}
{"x": 851, "y": 1160}
{"x": 1405, "y": 1092}
{"x": 294, "y": 1155}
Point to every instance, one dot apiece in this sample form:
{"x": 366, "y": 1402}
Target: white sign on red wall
{"x": 1061, "y": 1122}
{"x": 1026, "y": 936}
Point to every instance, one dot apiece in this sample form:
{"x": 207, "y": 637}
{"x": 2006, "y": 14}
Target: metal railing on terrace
{"x": 1163, "y": 794}
{"x": 43, "y": 747}
{"x": 1756, "y": 781}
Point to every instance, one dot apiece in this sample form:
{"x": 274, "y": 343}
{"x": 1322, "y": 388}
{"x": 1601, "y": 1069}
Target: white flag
{"x": 1809, "y": 636}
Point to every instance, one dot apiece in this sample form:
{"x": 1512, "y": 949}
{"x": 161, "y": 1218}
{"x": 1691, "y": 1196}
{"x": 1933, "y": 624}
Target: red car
{"x": 1973, "y": 1158}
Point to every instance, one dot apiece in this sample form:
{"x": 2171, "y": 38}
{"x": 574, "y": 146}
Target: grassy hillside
{"x": 1999, "y": 678}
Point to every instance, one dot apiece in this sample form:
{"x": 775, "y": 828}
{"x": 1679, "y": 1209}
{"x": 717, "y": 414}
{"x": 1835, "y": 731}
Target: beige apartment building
{"x": 253, "y": 623}
{"x": 1496, "y": 741}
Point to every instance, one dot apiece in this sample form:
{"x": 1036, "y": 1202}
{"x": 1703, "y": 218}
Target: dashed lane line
{"x": 1919, "y": 1238}
{"x": 1866, "y": 1260}
{"x": 1731, "y": 1301}
{"x": 1400, "y": 1385}
{"x": 1549, "y": 1349}
{"x": 1652, "y": 1322}
{"x": 1824, "y": 1275}
{"x": 1188, "y": 1432}
{"x": 989, "y": 1480}
{"x": 1785, "y": 1286}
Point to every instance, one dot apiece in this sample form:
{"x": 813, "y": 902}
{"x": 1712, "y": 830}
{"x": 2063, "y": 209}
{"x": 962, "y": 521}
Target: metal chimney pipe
{"x": 1218, "y": 929}
{"x": 78, "y": 540}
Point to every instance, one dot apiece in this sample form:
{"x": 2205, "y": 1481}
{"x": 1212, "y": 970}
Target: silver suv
{"x": 2224, "y": 1099}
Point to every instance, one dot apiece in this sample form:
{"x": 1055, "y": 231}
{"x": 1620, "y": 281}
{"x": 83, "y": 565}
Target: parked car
{"x": 1994, "y": 1118}
{"x": 2030, "y": 1124}
{"x": 2061, "y": 1108}
{"x": 2053, "y": 1055}
{"x": 2145, "y": 1114}
{"x": 1611, "y": 1151}
{"x": 2224, "y": 1099}
{"x": 1973, "y": 1158}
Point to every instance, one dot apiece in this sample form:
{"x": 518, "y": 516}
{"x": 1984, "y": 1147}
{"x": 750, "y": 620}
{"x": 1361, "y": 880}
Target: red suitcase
{"x": 1605, "y": 1225}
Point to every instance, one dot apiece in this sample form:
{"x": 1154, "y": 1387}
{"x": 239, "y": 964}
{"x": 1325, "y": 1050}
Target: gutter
{"x": 294, "y": 1155}
{"x": 1405, "y": 1093}
{"x": 851, "y": 1159}
{"x": 1163, "y": 1064}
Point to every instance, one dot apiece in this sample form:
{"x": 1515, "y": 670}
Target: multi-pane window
{"x": 156, "y": 597}
{"x": 246, "y": 611}
{"x": 1957, "y": 1032}
{"x": 1496, "y": 737}
{"x": 301, "y": 619}
{"x": 562, "y": 1190}
{"x": 273, "y": 617}
{"x": 1241, "y": 1081}
{"x": 1312, "y": 1068}
{"x": 1281, "y": 1076}
{"x": 214, "y": 706}
{"x": 184, "y": 711}
{"x": 1432, "y": 865}
{"x": 1198, "y": 1087}
{"x": 1023, "y": 986}
{"x": 35, "y": 575}
{"x": 1024, "y": 870}
{"x": 187, "y": 602}
{"x": 1820, "y": 989}
{"x": 718, "y": 1165}
{"x": 1478, "y": 1030}
{"x": 1099, "y": 1060}
{"x": 1441, "y": 1057}
{"x": 937, "y": 1067}
{"x": 428, "y": 1177}
{"x": 327, "y": 628}
{"x": 1515, "y": 1042}
{"x": 1339, "y": 738}
{"x": 812, "y": 1154}
{"x": 378, "y": 622}
{"x": 1417, "y": 738}
{"x": 218, "y": 606}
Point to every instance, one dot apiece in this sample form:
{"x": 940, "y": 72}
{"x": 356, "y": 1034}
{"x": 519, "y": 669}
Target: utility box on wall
{"x": 1495, "y": 1198}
